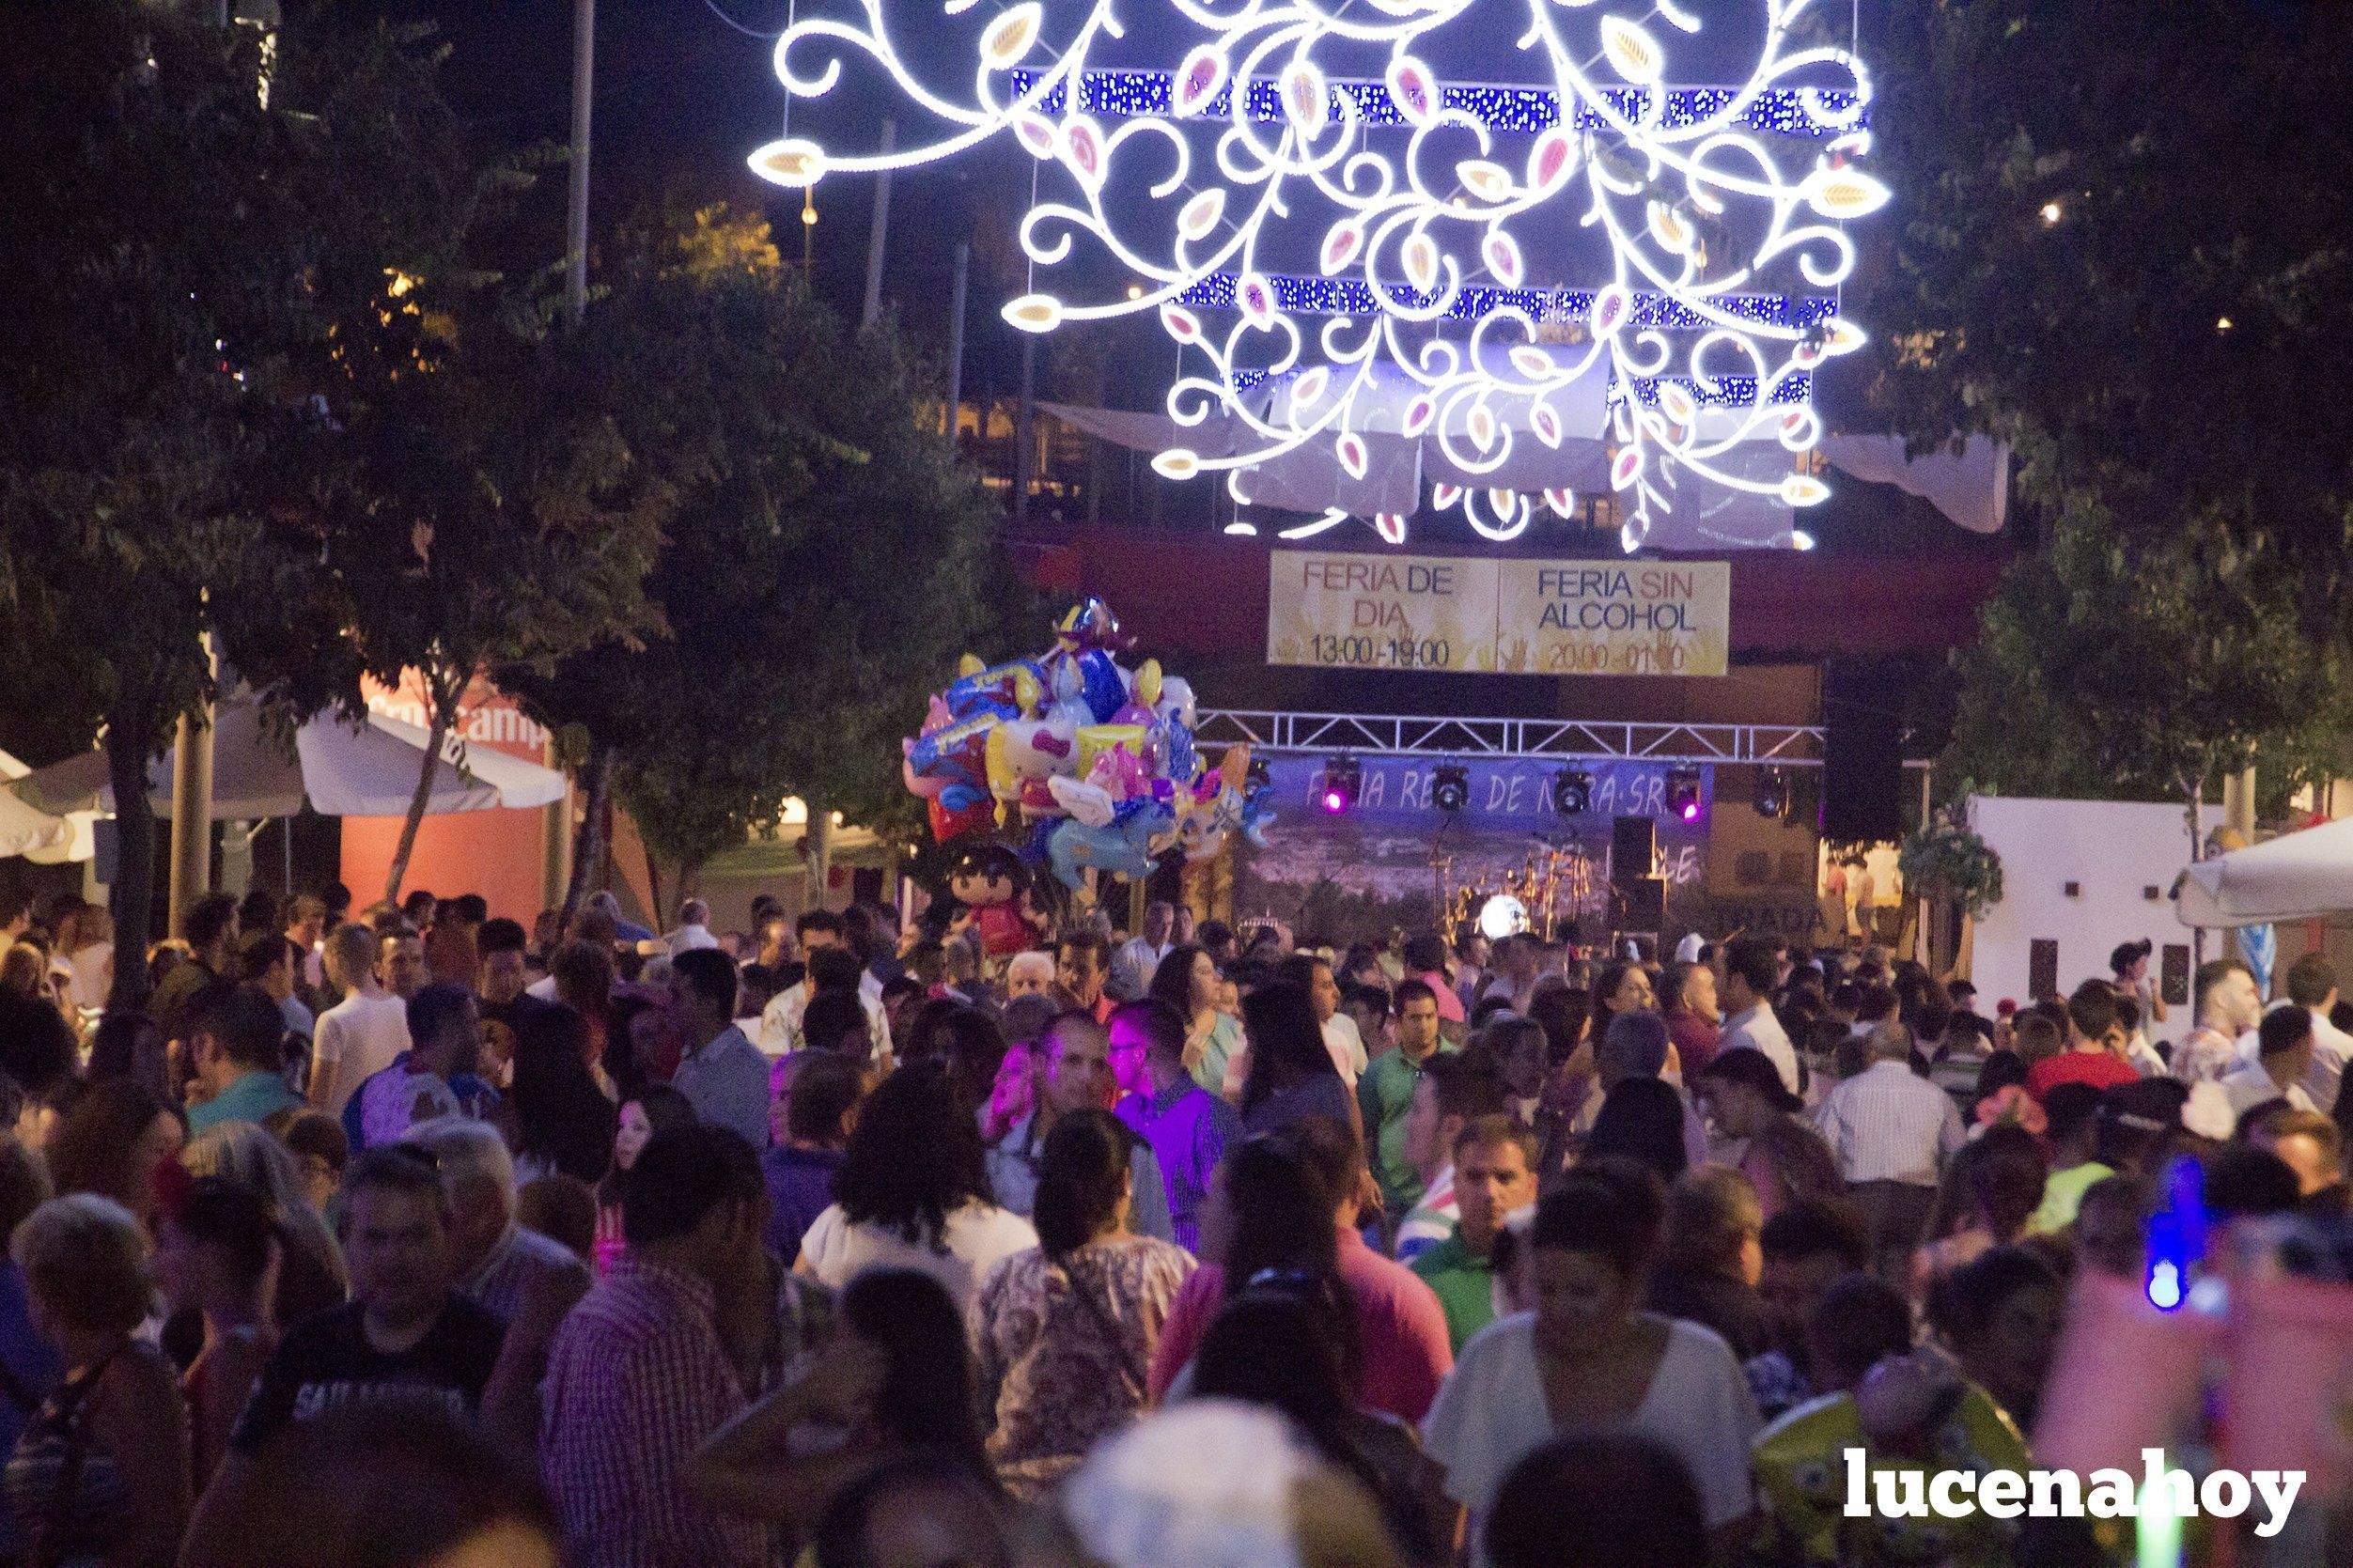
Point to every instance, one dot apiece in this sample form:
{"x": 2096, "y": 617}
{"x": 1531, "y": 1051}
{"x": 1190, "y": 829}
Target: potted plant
{"x": 1958, "y": 877}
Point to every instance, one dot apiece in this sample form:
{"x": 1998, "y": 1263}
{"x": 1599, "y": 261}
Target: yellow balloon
{"x": 1005, "y": 780}
{"x": 969, "y": 665}
{"x": 1095, "y": 739}
{"x": 1147, "y": 689}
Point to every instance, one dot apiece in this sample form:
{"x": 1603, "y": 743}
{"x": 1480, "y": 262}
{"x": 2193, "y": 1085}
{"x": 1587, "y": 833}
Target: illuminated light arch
{"x": 1719, "y": 214}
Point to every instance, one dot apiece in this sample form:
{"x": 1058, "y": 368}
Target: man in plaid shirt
{"x": 638, "y": 1377}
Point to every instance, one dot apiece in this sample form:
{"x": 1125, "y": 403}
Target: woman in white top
{"x": 914, "y": 1194}
{"x": 1588, "y": 1358}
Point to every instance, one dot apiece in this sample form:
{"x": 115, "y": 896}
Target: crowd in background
{"x": 417, "y": 1237}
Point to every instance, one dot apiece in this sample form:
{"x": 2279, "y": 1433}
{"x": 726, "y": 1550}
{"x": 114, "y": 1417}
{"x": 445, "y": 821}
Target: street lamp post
{"x": 556, "y": 821}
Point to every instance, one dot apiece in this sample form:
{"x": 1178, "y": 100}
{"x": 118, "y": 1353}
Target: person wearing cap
{"x": 1741, "y": 1091}
{"x": 2131, "y": 963}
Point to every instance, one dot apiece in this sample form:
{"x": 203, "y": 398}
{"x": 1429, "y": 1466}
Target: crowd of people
{"x": 419, "y": 1238}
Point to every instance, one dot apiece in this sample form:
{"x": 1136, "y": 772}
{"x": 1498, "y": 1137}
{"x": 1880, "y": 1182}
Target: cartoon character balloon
{"x": 1067, "y": 761}
{"x": 993, "y": 885}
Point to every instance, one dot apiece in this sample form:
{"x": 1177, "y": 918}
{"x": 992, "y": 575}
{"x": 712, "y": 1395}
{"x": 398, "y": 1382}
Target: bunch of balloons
{"x": 1073, "y": 761}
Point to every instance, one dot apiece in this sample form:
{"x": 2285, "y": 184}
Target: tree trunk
{"x": 129, "y": 745}
{"x": 2196, "y": 793}
{"x": 653, "y": 879}
{"x": 588, "y": 848}
{"x": 437, "y": 731}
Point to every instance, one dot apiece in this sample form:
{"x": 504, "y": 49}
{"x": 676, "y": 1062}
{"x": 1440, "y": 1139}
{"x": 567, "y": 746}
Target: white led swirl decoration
{"x": 1438, "y": 228}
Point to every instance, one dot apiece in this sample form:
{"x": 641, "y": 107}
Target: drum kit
{"x": 1542, "y": 894}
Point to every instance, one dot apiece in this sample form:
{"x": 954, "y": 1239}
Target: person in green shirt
{"x": 1495, "y": 1172}
{"x": 1385, "y": 1093}
{"x": 2073, "y": 1113}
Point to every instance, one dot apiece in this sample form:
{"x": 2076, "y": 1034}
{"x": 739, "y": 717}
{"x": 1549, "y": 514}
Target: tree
{"x": 825, "y": 562}
{"x": 2119, "y": 243}
{"x": 203, "y": 262}
{"x": 483, "y": 515}
{"x": 2112, "y": 668}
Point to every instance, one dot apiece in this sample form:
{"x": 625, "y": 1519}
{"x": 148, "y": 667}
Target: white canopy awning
{"x": 339, "y": 766}
{"x": 36, "y": 834}
{"x": 2295, "y": 877}
{"x": 1969, "y": 486}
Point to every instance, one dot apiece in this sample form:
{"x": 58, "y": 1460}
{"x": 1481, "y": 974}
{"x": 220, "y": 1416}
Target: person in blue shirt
{"x": 1073, "y": 1073}
{"x": 722, "y": 1074}
{"x": 238, "y": 1043}
{"x": 30, "y": 1364}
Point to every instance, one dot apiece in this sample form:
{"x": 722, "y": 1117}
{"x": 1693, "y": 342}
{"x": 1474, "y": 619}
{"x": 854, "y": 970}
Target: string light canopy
{"x": 1496, "y": 244}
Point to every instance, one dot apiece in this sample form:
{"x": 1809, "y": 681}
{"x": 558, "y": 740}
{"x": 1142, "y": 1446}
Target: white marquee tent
{"x": 2296, "y": 875}
{"x": 339, "y": 766}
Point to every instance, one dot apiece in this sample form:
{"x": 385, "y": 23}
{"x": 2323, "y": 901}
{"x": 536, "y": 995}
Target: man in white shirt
{"x": 1888, "y": 1123}
{"x": 1518, "y": 962}
{"x": 1314, "y": 975}
{"x": 2283, "y": 1057}
{"x": 2312, "y": 985}
{"x": 1132, "y": 966}
{"x": 1750, "y": 968}
{"x": 694, "y": 930}
{"x": 829, "y": 968}
{"x": 1891, "y": 1130}
{"x": 361, "y": 1036}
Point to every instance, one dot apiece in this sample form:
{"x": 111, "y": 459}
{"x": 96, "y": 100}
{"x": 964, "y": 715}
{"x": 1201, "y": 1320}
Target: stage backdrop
{"x": 1339, "y": 877}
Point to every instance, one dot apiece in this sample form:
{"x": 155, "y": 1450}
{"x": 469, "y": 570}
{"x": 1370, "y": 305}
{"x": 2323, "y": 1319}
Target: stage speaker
{"x": 1643, "y": 904}
{"x": 1863, "y": 756}
{"x": 1633, "y": 849}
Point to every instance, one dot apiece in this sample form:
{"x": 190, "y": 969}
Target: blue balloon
{"x": 1105, "y": 692}
{"x": 1122, "y": 848}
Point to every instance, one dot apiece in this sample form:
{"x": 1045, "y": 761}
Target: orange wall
{"x": 494, "y": 853}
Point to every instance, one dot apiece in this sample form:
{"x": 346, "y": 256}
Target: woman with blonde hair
{"x": 312, "y": 1277}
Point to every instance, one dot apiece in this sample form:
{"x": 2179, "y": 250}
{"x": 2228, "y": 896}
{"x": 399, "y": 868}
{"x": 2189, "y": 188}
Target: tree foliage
{"x": 2110, "y": 667}
{"x": 824, "y": 564}
{"x": 2122, "y": 242}
{"x": 188, "y": 270}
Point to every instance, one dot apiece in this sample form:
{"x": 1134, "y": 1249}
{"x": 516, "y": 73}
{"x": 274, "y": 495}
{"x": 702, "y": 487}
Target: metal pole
{"x": 576, "y": 227}
{"x": 555, "y": 819}
{"x": 1023, "y": 428}
{"x": 556, "y": 835}
{"x": 1025, "y": 414}
{"x": 191, "y": 810}
{"x": 880, "y": 233}
{"x": 956, "y": 340}
{"x": 820, "y": 859}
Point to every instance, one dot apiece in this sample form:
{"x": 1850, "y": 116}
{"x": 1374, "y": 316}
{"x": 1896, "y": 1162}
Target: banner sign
{"x": 1507, "y": 793}
{"x": 1513, "y": 617}
{"x": 1380, "y": 612}
{"x": 1613, "y": 618}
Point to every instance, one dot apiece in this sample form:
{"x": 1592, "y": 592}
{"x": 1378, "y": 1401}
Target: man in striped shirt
{"x": 638, "y": 1378}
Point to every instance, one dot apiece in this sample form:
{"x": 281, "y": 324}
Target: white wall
{"x": 2113, "y": 850}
